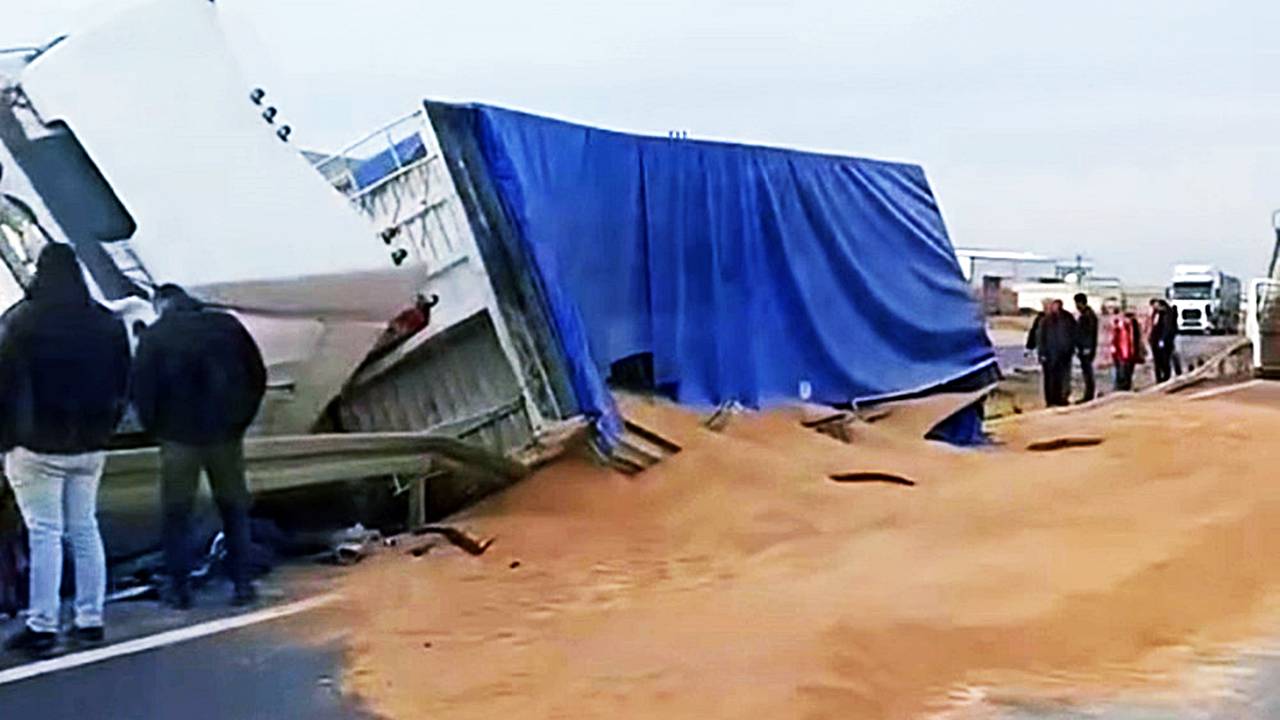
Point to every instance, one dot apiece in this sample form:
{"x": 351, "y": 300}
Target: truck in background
{"x": 1206, "y": 299}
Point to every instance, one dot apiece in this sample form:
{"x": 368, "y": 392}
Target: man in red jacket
{"x": 1124, "y": 353}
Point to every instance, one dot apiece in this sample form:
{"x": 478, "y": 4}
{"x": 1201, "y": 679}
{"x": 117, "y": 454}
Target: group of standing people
{"x": 1127, "y": 351}
{"x": 1058, "y": 338}
{"x": 66, "y": 378}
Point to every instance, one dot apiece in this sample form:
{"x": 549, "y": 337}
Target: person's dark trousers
{"x": 180, "y": 467}
{"x": 1164, "y": 364}
{"x": 1124, "y": 376}
{"x": 1057, "y": 381}
{"x": 1049, "y": 377}
{"x": 1090, "y": 384}
{"x": 1064, "y": 382}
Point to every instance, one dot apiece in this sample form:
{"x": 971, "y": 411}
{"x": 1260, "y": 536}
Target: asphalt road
{"x": 240, "y": 675}
{"x": 1192, "y": 348}
{"x": 276, "y": 668}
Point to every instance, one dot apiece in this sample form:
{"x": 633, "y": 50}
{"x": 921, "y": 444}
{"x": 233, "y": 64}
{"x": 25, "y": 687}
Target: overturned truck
{"x": 204, "y": 188}
{"x": 560, "y": 259}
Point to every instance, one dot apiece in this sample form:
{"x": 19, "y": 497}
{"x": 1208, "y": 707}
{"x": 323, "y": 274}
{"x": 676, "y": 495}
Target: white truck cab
{"x": 138, "y": 142}
{"x": 1206, "y": 299}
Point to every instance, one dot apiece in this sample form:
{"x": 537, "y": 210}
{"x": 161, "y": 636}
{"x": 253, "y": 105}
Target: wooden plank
{"x": 652, "y": 437}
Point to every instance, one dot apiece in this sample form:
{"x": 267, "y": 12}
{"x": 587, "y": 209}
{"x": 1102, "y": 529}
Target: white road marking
{"x": 1214, "y": 392}
{"x": 152, "y": 642}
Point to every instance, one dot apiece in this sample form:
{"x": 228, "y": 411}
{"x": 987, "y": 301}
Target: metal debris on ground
{"x": 669, "y": 446}
{"x": 637, "y": 449}
{"x": 422, "y": 549}
{"x": 457, "y": 538}
{"x": 719, "y": 419}
{"x": 354, "y": 544}
{"x": 837, "y": 424}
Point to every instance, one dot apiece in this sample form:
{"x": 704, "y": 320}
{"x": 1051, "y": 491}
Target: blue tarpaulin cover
{"x": 745, "y": 271}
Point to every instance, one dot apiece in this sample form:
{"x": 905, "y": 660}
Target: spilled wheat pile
{"x": 735, "y": 580}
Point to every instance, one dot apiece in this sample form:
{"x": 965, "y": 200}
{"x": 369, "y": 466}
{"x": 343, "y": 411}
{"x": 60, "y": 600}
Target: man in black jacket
{"x": 64, "y": 366}
{"x": 1054, "y": 340}
{"x": 1164, "y": 336}
{"x": 1086, "y": 343}
{"x": 198, "y": 381}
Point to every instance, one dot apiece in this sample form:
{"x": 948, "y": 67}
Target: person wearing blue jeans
{"x": 64, "y": 370}
{"x": 58, "y": 496}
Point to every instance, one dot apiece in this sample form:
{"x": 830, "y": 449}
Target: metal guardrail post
{"x": 418, "y": 501}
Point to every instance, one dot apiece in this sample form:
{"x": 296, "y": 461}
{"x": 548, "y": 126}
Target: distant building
{"x": 1006, "y": 265}
{"x": 1012, "y": 266}
{"x": 1010, "y": 281}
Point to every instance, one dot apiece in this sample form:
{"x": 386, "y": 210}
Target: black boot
{"x": 244, "y": 594}
{"x": 177, "y": 596}
{"x": 89, "y": 635}
{"x": 32, "y": 643}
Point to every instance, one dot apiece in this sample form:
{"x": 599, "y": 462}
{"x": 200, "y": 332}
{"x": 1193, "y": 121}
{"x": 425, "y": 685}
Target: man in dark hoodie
{"x": 64, "y": 369}
{"x": 198, "y": 381}
{"x": 1164, "y": 335}
{"x": 1055, "y": 342}
{"x": 1086, "y": 344}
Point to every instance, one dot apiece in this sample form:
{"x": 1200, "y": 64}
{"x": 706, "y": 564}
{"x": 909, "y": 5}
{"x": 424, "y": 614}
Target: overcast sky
{"x": 1139, "y": 134}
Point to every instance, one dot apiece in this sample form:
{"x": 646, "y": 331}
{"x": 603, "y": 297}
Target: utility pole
{"x": 1275, "y": 252}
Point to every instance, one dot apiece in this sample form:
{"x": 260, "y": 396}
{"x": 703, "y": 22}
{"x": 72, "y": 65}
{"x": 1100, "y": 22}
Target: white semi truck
{"x": 1207, "y": 300}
